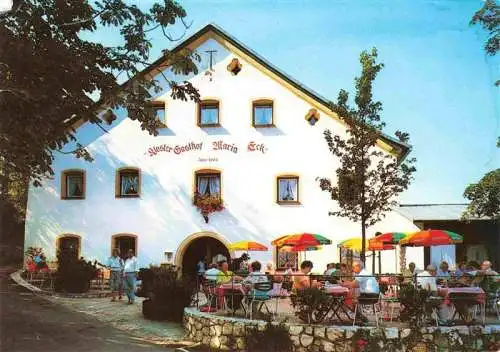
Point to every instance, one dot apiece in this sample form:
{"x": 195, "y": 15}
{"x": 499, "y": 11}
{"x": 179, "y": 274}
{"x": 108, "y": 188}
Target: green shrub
{"x": 311, "y": 304}
{"x": 168, "y": 293}
{"x": 274, "y": 338}
{"x": 417, "y": 305}
{"x": 73, "y": 274}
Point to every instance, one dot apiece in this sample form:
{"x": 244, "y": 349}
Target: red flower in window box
{"x": 208, "y": 204}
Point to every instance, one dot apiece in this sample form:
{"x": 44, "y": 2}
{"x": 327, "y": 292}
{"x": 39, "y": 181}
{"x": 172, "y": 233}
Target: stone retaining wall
{"x": 228, "y": 333}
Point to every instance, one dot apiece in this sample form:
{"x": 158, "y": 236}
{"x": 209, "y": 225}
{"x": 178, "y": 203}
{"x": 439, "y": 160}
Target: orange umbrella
{"x": 247, "y": 246}
{"x": 430, "y": 237}
{"x": 379, "y": 246}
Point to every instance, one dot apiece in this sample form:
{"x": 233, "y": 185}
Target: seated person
{"x": 366, "y": 282}
{"x": 487, "y": 270}
{"x": 254, "y": 277}
{"x": 287, "y": 277}
{"x": 427, "y": 279}
{"x": 212, "y": 272}
{"x": 330, "y": 269}
{"x": 461, "y": 270}
{"x": 443, "y": 274}
{"x": 369, "y": 290}
{"x": 225, "y": 275}
{"x": 487, "y": 278}
{"x": 345, "y": 273}
{"x": 302, "y": 279}
{"x": 289, "y": 269}
{"x": 409, "y": 273}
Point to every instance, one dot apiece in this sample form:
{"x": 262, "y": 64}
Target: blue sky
{"x": 437, "y": 83}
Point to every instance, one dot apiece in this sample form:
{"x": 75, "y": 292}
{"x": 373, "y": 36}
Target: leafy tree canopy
{"x": 488, "y": 17}
{"x": 368, "y": 180}
{"x": 484, "y": 197}
{"x": 48, "y": 72}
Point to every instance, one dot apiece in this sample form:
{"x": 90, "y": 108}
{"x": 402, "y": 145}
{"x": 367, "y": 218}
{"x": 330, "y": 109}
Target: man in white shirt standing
{"x": 129, "y": 274}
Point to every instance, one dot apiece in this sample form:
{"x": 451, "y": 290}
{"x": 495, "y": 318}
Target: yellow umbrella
{"x": 354, "y": 244}
{"x": 247, "y": 246}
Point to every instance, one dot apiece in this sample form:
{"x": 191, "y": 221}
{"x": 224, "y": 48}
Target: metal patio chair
{"x": 259, "y": 295}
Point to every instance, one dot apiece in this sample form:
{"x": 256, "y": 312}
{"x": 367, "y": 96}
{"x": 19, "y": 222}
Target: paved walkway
{"x": 32, "y": 323}
{"x": 125, "y": 317}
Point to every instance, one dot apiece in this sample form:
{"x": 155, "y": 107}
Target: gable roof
{"x": 388, "y": 143}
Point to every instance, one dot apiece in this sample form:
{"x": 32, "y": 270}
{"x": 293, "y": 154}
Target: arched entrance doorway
{"x": 198, "y": 246}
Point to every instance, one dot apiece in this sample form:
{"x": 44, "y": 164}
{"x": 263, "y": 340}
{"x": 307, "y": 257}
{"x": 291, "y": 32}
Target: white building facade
{"x": 247, "y": 142}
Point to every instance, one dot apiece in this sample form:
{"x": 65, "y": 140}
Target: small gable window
{"x": 208, "y": 113}
{"x": 128, "y": 183}
{"x": 288, "y": 190}
{"x": 73, "y": 184}
{"x": 262, "y": 113}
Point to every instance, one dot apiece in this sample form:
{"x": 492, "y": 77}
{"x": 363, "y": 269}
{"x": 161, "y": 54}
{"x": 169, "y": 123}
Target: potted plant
{"x": 208, "y": 204}
{"x": 73, "y": 274}
{"x": 167, "y": 294}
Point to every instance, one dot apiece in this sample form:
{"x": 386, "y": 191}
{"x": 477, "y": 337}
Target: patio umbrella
{"x": 427, "y": 238}
{"x": 390, "y": 237}
{"x": 379, "y": 246}
{"x": 374, "y": 245}
{"x": 247, "y": 246}
{"x": 301, "y": 239}
{"x": 299, "y": 248}
{"x": 354, "y": 244}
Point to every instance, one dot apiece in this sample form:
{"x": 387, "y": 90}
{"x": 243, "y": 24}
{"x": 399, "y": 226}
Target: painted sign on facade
{"x": 219, "y": 145}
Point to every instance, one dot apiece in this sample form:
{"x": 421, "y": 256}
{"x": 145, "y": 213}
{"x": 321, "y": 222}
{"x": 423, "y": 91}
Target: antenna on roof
{"x": 211, "y": 62}
{"x": 211, "y": 53}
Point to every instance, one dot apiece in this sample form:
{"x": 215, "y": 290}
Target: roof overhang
{"x": 212, "y": 31}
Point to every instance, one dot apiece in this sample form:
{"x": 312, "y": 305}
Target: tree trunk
{"x": 4, "y": 192}
{"x": 363, "y": 238}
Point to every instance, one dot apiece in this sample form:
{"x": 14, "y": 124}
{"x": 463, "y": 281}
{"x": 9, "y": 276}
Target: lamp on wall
{"x": 312, "y": 116}
{"x": 168, "y": 257}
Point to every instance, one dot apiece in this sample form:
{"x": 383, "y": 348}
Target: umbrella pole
{"x": 396, "y": 259}
{"x": 380, "y": 262}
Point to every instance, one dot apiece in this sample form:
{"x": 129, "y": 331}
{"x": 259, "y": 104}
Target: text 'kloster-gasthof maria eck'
{"x": 215, "y": 146}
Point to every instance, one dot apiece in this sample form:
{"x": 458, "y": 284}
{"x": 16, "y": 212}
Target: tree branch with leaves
{"x": 368, "y": 181}
{"x": 488, "y": 17}
{"x": 48, "y": 72}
